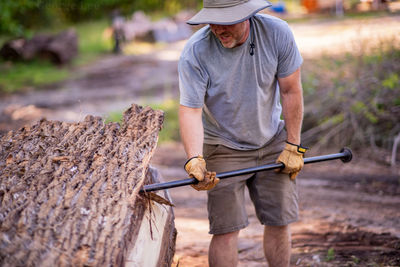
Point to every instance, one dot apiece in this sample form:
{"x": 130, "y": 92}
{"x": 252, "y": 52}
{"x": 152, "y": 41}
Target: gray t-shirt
{"x": 238, "y": 92}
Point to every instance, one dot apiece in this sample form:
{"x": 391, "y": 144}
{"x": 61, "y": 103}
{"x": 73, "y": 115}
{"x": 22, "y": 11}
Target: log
{"x": 59, "y": 49}
{"x": 140, "y": 28}
{"x": 34, "y": 46}
{"x": 13, "y": 50}
{"x": 62, "y": 47}
{"x": 158, "y": 248}
{"x": 169, "y": 31}
{"x": 69, "y": 193}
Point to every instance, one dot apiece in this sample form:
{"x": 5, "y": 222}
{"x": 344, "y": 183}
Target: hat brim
{"x": 228, "y": 15}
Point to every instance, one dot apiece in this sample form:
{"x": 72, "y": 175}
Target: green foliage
{"x": 357, "y": 104}
{"x": 17, "y": 17}
{"x": 115, "y": 116}
{"x": 355, "y": 259}
{"x": 330, "y": 255}
{"x": 91, "y": 40}
{"x": 170, "y": 130}
{"x": 358, "y": 107}
{"x": 391, "y": 81}
{"x": 20, "y": 76}
{"x": 11, "y": 11}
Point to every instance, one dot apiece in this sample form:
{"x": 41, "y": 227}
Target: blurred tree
{"x": 11, "y": 12}
{"x": 18, "y": 16}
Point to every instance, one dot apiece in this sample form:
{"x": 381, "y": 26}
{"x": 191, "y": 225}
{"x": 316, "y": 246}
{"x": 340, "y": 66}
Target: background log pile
{"x": 140, "y": 27}
{"x": 60, "y": 48}
{"x": 68, "y": 190}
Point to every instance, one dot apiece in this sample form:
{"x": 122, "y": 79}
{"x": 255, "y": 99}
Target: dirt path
{"x": 350, "y": 210}
{"x": 347, "y": 35}
{"x": 353, "y": 209}
{"x": 114, "y": 82}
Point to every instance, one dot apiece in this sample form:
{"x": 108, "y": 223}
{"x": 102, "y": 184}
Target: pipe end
{"x": 348, "y": 155}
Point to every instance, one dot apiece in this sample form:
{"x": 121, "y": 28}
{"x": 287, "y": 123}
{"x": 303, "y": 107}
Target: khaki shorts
{"x": 274, "y": 195}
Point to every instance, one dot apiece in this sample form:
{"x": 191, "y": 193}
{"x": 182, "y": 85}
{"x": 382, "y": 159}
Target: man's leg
{"x": 224, "y": 250}
{"x": 277, "y": 245}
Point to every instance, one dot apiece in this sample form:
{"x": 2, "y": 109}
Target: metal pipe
{"x": 345, "y": 155}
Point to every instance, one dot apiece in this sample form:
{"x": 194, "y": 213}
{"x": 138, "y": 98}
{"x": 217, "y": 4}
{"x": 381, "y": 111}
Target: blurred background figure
{"x": 117, "y": 22}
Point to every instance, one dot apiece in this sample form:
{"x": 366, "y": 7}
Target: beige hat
{"x": 227, "y": 12}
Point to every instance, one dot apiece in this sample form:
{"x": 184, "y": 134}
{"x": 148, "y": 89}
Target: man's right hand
{"x": 196, "y": 168}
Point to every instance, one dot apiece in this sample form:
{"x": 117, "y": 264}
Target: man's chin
{"x": 228, "y": 44}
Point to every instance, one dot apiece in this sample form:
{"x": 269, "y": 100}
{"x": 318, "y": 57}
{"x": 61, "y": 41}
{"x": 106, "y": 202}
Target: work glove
{"x": 196, "y": 168}
{"x": 292, "y": 157}
{"x": 210, "y": 180}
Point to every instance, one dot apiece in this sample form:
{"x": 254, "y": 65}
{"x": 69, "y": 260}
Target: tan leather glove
{"x": 196, "y": 168}
{"x": 292, "y": 156}
{"x": 210, "y": 180}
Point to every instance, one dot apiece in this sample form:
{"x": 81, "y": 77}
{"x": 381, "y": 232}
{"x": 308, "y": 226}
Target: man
{"x": 233, "y": 74}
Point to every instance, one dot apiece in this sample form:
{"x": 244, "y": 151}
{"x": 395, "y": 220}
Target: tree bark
{"x": 69, "y": 191}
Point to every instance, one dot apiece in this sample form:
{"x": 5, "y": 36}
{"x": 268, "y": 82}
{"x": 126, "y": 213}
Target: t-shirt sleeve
{"x": 193, "y": 81}
{"x": 289, "y": 58}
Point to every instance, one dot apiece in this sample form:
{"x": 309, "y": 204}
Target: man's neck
{"x": 246, "y": 33}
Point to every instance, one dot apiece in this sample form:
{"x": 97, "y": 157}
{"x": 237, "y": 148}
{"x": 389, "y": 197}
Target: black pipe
{"x": 345, "y": 155}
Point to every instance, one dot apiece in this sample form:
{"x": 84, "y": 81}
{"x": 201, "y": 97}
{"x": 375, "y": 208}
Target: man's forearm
{"x": 191, "y": 130}
{"x": 292, "y": 105}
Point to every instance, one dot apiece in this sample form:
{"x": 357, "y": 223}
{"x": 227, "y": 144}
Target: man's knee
{"x": 274, "y": 233}
{"x": 223, "y": 250}
{"x": 276, "y": 229}
{"x": 226, "y": 238}
{"x": 277, "y": 245}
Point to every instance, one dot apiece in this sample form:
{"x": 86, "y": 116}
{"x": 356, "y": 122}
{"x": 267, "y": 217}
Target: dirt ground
{"x": 351, "y": 210}
{"x": 349, "y": 213}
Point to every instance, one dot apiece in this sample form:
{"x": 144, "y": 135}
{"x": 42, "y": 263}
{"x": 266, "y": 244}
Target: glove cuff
{"x": 300, "y": 149}
{"x": 187, "y": 165}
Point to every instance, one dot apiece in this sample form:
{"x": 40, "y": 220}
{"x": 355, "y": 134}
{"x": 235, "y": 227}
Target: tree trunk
{"x": 69, "y": 192}
{"x": 13, "y": 50}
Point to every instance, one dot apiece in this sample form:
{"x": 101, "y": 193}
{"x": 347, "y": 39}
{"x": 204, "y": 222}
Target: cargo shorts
{"x": 274, "y": 195}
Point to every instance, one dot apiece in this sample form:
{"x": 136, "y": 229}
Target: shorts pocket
{"x": 209, "y": 150}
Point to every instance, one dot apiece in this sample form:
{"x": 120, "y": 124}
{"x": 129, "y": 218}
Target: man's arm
{"x": 191, "y": 130}
{"x": 292, "y": 105}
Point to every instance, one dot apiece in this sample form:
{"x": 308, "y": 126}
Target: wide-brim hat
{"x": 227, "y": 12}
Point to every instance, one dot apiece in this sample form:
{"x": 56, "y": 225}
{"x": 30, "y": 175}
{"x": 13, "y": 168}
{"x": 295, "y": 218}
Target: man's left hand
{"x": 209, "y": 182}
{"x": 292, "y": 157}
